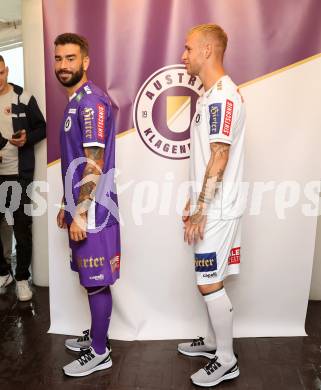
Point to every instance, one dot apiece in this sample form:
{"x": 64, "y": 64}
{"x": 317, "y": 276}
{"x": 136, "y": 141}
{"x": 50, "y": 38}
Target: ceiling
{"x": 10, "y": 23}
{"x": 10, "y": 10}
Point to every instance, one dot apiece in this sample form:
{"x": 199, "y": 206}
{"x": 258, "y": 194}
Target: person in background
{"x": 22, "y": 125}
{"x": 6, "y": 233}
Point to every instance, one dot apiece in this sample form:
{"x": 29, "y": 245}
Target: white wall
{"x": 32, "y": 32}
{"x": 14, "y": 61}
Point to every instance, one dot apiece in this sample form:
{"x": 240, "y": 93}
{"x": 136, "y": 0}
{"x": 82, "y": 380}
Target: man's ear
{"x": 86, "y": 62}
{"x": 208, "y": 50}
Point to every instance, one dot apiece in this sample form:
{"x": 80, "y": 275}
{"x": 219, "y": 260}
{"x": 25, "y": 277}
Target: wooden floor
{"x": 32, "y": 359}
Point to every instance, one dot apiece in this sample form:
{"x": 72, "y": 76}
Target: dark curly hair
{"x": 76, "y": 39}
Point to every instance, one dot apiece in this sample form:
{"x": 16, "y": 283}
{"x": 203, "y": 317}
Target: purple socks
{"x": 100, "y": 302}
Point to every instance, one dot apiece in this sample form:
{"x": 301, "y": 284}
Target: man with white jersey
{"x": 212, "y": 214}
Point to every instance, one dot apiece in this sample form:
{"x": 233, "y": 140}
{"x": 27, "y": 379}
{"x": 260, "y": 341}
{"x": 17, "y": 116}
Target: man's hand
{"x": 195, "y": 226}
{"x": 77, "y": 231}
{"x": 19, "y": 142}
{"x": 186, "y": 211}
{"x": 61, "y": 219}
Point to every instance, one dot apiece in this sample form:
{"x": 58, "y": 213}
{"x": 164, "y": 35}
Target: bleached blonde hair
{"x": 214, "y": 31}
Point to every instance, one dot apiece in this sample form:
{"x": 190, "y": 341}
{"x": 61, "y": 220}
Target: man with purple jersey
{"x": 89, "y": 208}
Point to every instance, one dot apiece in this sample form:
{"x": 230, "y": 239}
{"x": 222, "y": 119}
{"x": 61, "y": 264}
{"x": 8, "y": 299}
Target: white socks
{"x": 220, "y": 312}
{"x": 210, "y": 339}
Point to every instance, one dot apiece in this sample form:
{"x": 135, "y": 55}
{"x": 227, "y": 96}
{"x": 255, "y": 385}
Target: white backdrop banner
{"x": 156, "y": 297}
{"x": 154, "y": 100}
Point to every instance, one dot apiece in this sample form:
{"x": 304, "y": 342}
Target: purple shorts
{"x": 97, "y": 257}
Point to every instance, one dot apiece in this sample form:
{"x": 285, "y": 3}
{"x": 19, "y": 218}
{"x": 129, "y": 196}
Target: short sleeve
{"x": 93, "y": 119}
{"x": 222, "y": 118}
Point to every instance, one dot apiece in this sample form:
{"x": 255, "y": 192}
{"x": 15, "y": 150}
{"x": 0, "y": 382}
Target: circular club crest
{"x": 68, "y": 123}
{"x": 164, "y": 108}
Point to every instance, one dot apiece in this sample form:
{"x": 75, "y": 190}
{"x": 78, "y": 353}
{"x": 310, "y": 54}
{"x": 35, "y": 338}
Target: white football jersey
{"x": 219, "y": 117}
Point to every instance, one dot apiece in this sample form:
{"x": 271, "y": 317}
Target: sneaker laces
{"x": 197, "y": 342}
{"x": 85, "y": 336}
{"x": 212, "y": 365}
{"x": 85, "y": 356}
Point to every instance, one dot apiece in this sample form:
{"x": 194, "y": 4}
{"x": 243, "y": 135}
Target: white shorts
{"x": 218, "y": 254}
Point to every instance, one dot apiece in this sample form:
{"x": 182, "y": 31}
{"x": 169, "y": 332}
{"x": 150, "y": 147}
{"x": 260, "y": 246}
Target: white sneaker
{"x": 77, "y": 344}
{"x": 197, "y": 348}
{"x": 5, "y": 280}
{"x": 215, "y": 372}
{"x": 88, "y": 362}
{"x": 24, "y": 292}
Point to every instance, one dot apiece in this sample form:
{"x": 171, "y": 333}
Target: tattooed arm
{"x": 91, "y": 174}
{"x": 194, "y": 227}
{"x": 213, "y": 175}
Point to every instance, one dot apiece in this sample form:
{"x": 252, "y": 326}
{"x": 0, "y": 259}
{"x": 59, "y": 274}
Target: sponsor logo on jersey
{"x": 87, "y": 89}
{"x": 88, "y": 117}
{"x": 115, "y": 263}
{"x": 163, "y": 110}
{"x": 228, "y": 117}
{"x": 234, "y": 257}
{"x": 97, "y": 277}
{"x": 72, "y": 111}
{"x": 68, "y": 123}
{"x": 205, "y": 262}
{"x": 91, "y": 262}
{"x": 210, "y": 275}
{"x": 215, "y": 110}
{"x": 101, "y": 121}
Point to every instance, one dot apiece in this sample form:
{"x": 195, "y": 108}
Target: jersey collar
{"x": 79, "y": 93}
{"x": 210, "y": 91}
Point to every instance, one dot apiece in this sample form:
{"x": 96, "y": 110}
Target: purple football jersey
{"x": 88, "y": 121}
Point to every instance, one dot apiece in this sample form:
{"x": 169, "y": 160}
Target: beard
{"x": 74, "y": 79}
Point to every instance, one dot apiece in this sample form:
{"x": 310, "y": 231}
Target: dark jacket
{"x": 26, "y": 115}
